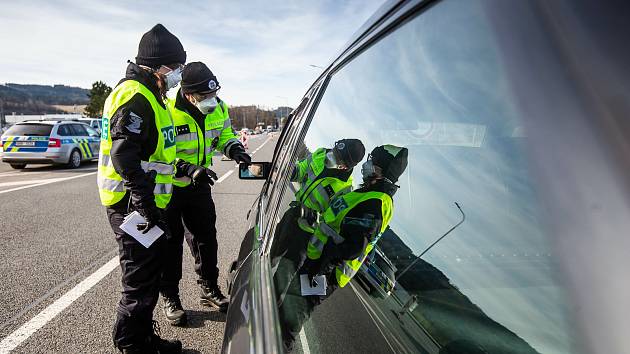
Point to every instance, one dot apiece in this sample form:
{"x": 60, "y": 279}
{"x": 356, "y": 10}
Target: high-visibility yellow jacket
{"x": 196, "y": 144}
{"x": 315, "y": 190}
{"x": 330, "y": 227}
{"x": 110, "y": 183}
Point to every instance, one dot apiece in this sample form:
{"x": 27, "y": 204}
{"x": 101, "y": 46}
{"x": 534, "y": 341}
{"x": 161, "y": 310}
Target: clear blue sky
{"x": 260, "y": 50}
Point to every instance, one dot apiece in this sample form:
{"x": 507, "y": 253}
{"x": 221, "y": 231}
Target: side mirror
{"x": 254, "y": 170}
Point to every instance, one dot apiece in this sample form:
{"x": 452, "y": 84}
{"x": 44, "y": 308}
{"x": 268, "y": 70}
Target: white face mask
{"x": 173, "y": 78}
{"x": 331, "y": 161}
{"x": 208, "y": 105}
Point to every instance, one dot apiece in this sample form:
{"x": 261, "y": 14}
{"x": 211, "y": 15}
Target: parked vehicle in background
{"x": 95, "y": 123}
{"x": 378, "y": 274}
{"x": 65, "y": 142}
{"x": 515, "y": 115}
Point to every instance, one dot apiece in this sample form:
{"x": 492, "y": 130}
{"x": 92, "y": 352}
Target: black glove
{"x": 239, "y": 155}
{"x": 242, "y": 157}
{"x": 202, "y": 175}
{"x": 153, "y": 216}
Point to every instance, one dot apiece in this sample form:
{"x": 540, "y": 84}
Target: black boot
{"x": 211, "y": 296}
{"x": 173, "y": 310}
{"x": 164, "y": 346}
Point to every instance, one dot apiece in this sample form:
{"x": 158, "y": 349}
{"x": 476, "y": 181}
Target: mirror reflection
{"x": 462, "y": 261}
{"x": 253, "y": 170}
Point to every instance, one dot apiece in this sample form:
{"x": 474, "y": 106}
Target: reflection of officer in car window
{"x": 348, "y": 232}
{"x": 321, "y": 175}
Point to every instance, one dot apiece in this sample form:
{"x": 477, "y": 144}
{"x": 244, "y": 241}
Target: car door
{"x": 83, "y": 141}
{"x": 251, "y": 319}
{"x": 94, "y": 140}
{"x": 514, "y": 195}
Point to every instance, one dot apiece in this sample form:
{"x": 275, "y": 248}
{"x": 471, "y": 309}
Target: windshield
{"x": 29, "y": 129}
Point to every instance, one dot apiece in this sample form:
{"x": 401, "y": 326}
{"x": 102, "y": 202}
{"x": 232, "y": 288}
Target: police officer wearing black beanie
{"x": 135, "y": 172}
{"x": 203, "y": 126}
{"x": 361, "y": 226}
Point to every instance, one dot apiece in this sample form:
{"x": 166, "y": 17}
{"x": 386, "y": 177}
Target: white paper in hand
{"x": 130, "y": 227}
{"x": 319, "y": 289}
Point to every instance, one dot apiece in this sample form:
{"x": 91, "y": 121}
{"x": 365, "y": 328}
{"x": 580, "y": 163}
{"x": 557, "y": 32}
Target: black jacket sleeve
{"x": 133, "y": 139}
{"x": 358, "y": 228}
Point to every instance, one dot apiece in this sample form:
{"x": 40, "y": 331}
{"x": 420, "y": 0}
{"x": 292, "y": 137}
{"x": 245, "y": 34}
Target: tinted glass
{"x": 78, "y": 130}
{"x": 64, "y": 130}
{"x": 29, "y": 129}
{"x": 440, "y": 86}
{"x": 92, "y": 132}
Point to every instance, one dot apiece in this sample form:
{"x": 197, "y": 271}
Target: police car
{"x": 49, "y": 142}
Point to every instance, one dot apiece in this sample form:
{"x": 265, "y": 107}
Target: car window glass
{"x": 29, "y": 129}
{"x": 64, "y": 130}
{"x": 78, "y": 130}
{"x": 92, "y": 132}
{"x": 490, "y": 285}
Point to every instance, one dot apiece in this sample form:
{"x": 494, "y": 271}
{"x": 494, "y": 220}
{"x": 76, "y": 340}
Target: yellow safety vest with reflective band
{"x": 194, "y": 143}
{"x": 315, "y": 193}
{"x": 110, "y": 184}
{"x": 331, "y": 226}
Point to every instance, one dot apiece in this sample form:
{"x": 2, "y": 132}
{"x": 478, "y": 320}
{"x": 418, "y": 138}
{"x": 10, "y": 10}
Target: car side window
{"x": 64, "y": 130}
{"x": 78, "y": 130}
{"x": 466, "y": 263}
{"x": 92, "y": 133}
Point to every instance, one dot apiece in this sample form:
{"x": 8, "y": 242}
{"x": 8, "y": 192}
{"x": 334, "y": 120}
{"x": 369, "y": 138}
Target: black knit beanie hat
{"x": 197, "y": 78}
{"x": 160, "y": 47}
{"x": 391, "y": 159}
{"x": 349, "y": 151}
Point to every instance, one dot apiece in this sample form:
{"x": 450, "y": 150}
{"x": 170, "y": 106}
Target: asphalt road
{"x": 54, "y": 235}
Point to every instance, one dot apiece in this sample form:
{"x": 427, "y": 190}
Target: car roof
{"x": 51, "y": 122}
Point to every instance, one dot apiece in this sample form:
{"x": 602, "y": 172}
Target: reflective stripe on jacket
{"x": 194, "y": 144}
{"x": 110, "y": 184}
{"x": 315, "y": 192}
{"x": 331, "y": 226}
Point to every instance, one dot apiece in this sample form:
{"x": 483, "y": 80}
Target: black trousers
{"x": 195, "y": 207}
{"x": 288, "y": 256}
{"x": 141, "y": 268}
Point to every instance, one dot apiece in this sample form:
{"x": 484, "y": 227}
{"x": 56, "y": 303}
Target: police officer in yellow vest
{"x": 350, "y": 229}
{"x": 135, "y": 172}
{"x": 321, "y": 175}
{"x": 203, "y": 127}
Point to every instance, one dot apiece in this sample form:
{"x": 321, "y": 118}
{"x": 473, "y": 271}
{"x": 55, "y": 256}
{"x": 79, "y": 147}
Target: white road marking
{"x": 226, "y": 175}
{"x": 31, "y": 181}
{"x": 305, "y": 348}
{"x": 21, "y": 334}
{"x": 29, "y": 173}
{"x": 261, "y": 145}
{"x": 48, "y": 182}
{"x": 369, "y": 311}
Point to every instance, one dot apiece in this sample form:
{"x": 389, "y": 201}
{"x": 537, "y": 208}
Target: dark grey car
{"x": 519, "y": 112}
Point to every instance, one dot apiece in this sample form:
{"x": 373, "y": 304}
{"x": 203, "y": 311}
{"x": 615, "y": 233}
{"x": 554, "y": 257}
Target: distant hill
{"x": 40, "y": 99}
{"x": 445, "y": 312}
